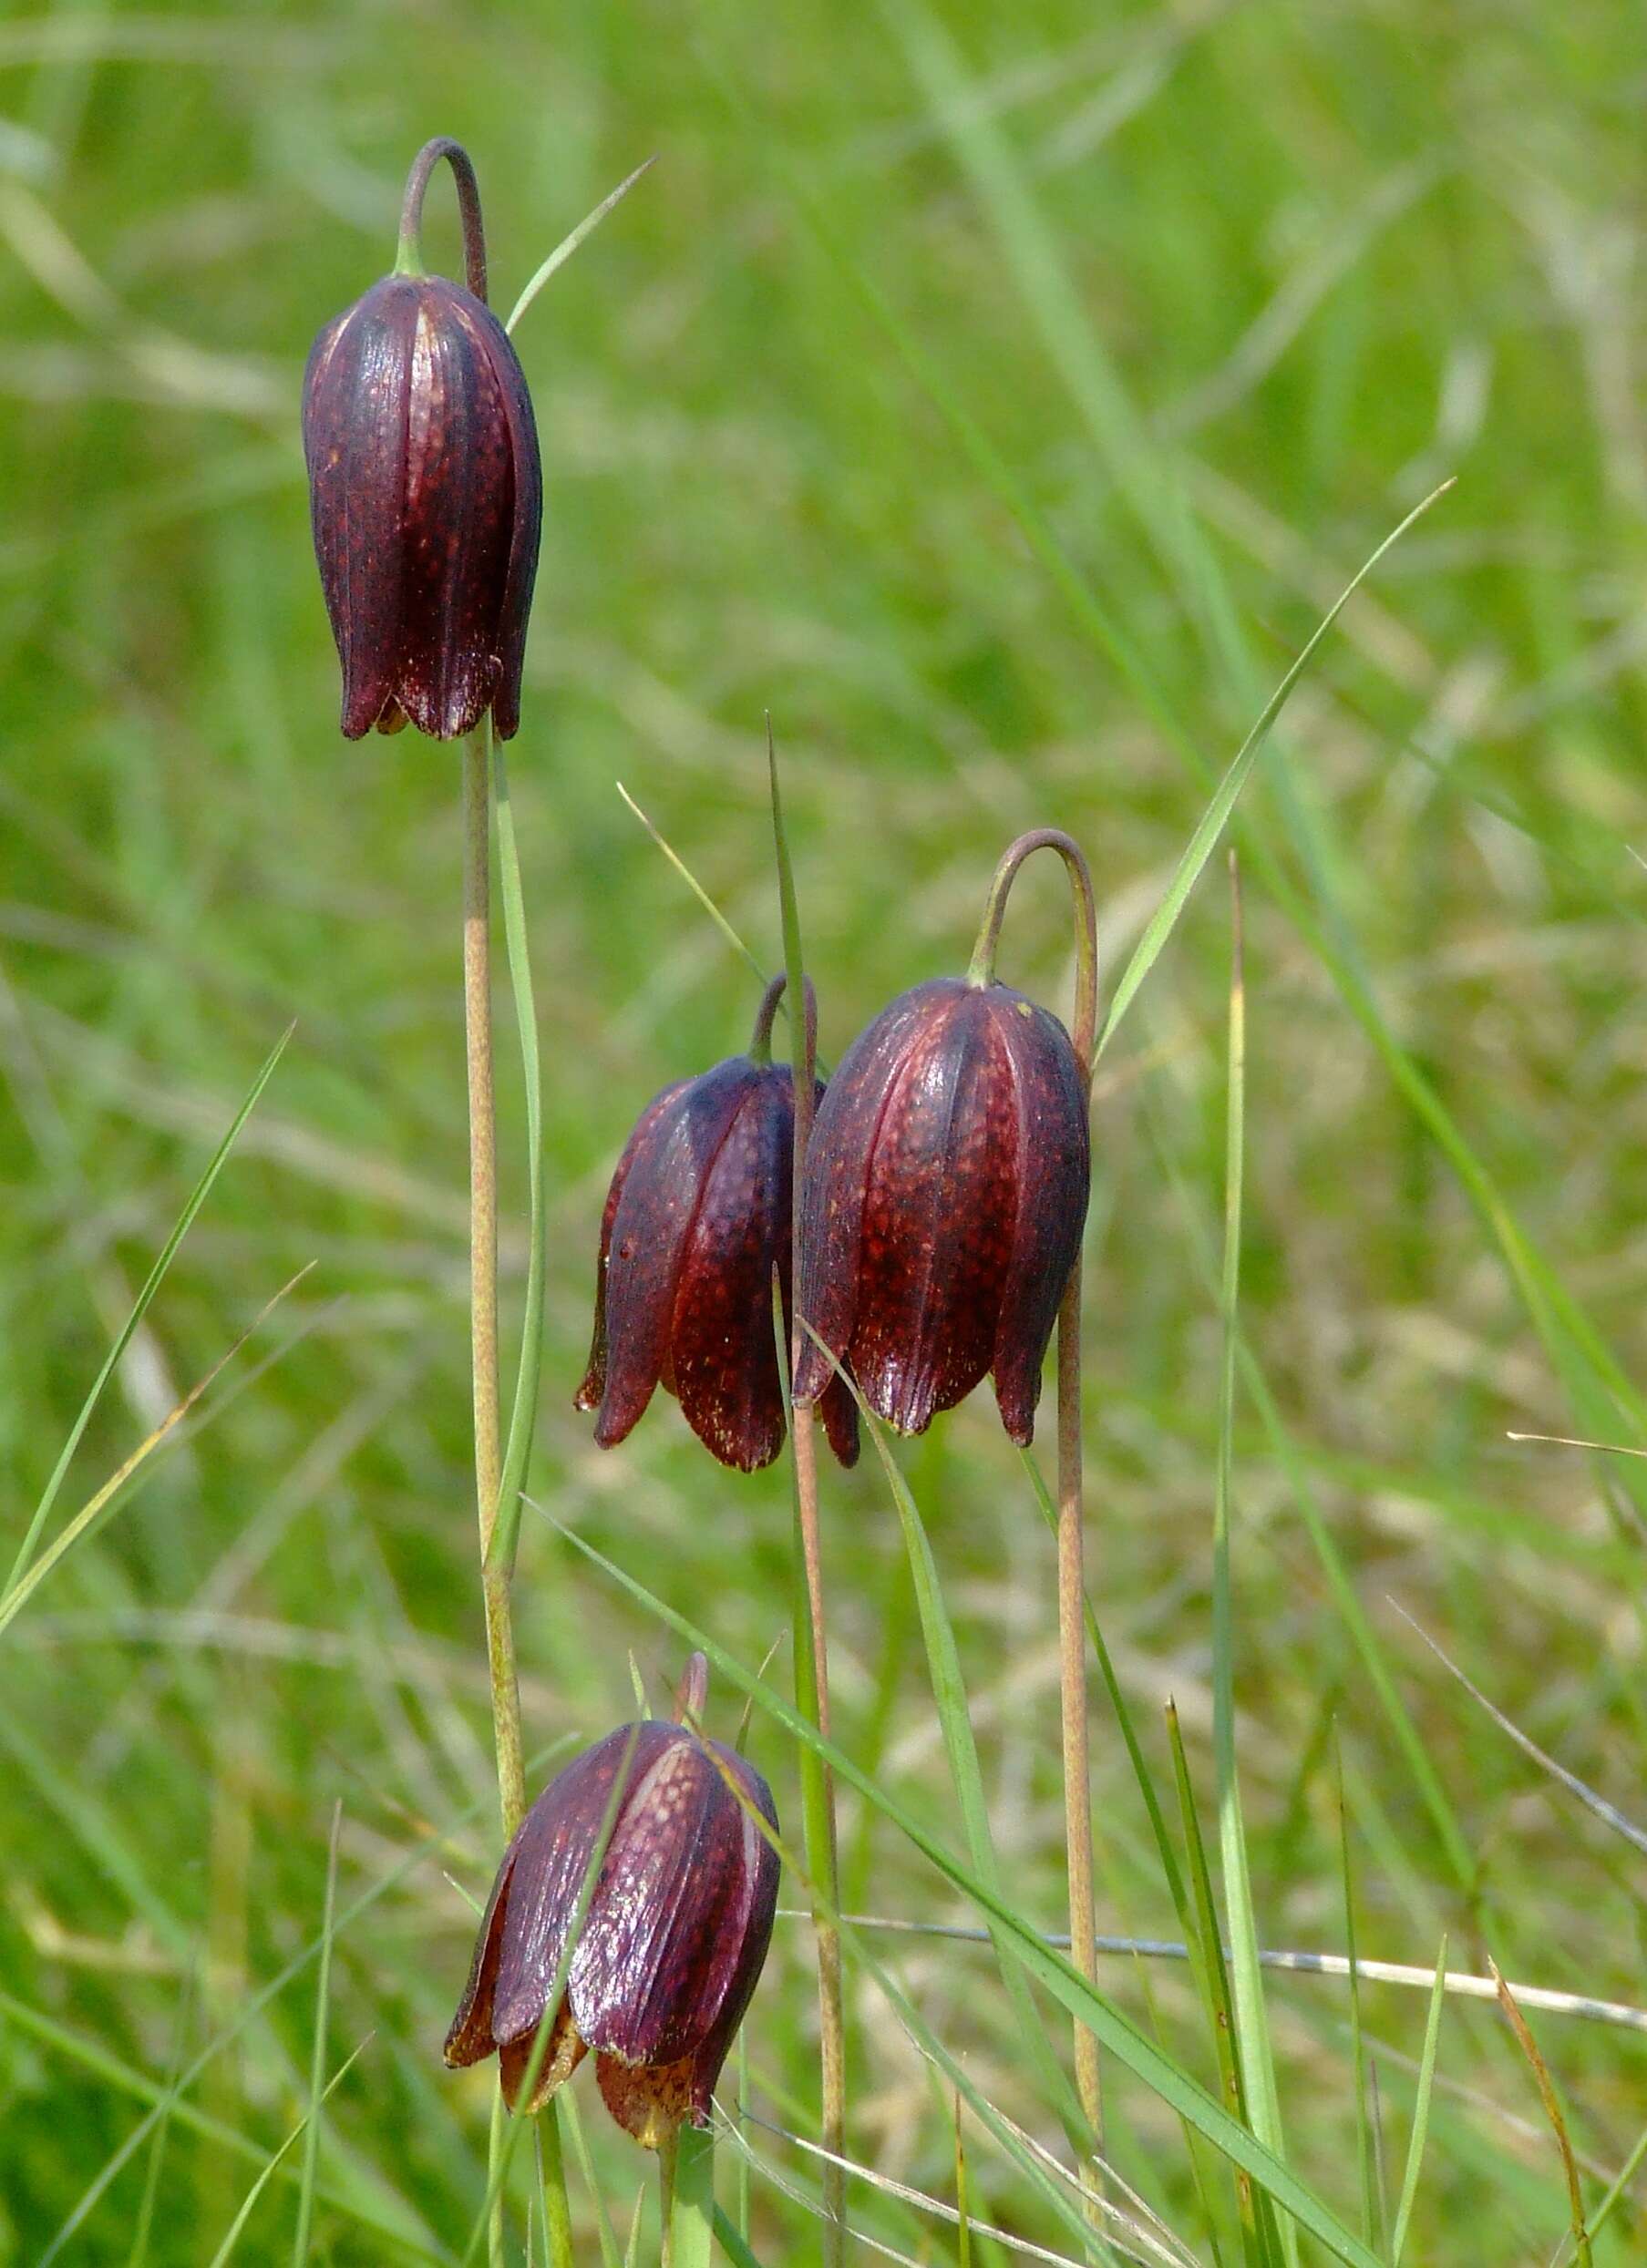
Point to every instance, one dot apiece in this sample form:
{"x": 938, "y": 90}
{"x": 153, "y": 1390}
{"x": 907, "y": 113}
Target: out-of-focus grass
{"x": 1226, "y": 289}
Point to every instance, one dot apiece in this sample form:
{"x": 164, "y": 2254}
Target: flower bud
{"x": 426, "y": 497}
{"x": 945, "y": 1191}
{"x": 673, "y": 1942}
{"x": 697, "y": 1217}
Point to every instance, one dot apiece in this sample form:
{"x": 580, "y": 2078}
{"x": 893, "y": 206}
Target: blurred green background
{"x": 999, "y": 397}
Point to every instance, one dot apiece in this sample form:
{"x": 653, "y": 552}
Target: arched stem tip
{"x": 982, "y": 969}
{"x": 760, "y": 1039}
{"x": 409, "y": 257}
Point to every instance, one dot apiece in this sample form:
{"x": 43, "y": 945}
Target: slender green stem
{"x": 1072, "y": 1575}
{"x": 823, "y": 1846}
{"x": 666, "y": 2161}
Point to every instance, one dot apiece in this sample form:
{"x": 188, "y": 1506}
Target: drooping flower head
{"x": 673, "y": 1941}
{"x": 426, "y": 493}
{"x": 945, "y": 1191}
{"x": 698, "y": 1219}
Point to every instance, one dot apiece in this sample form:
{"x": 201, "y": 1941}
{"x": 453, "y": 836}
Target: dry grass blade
{"x": 1607, "y": 1813}
{"x": 23, "y": 1589}
{"x": 1552, "y": 2108}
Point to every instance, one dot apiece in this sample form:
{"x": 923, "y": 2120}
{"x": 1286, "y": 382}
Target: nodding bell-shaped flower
{"x": 673, "y": 1941}
{"x": 945, "y": 1191}
{"x": 425, "y": 492}
{"x": 697, "y": 1217}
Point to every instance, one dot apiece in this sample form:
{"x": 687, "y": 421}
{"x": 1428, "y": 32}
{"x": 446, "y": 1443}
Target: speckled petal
{"x": 1053, "y": 1180}
{"x": 550, "y": 1856}
{"x": 682, "y": 1915}
{"x": 355, "y": 390}
{"x": 723, "y": 1343}
{"x": 658, "y": 1205}
{"x": 459, "y": 515}
{"x": 588, "y": 1396}
{"x": 838, "y": 1158}
{"x": 938, "y": 1217}
{"x": 651, "y": 2101}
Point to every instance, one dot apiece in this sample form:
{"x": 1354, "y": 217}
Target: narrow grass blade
{"x": 569, "y": 244}
{"x": 1203, "y": 841}
{"x": 1363, "y": 2133}
{"x": 694, "y": 886}
{"x": 955, "y": 1717}
{"x": 1620, "y": 2185}
{"x": 139, "y": 2255}
{"x": 92, "y": 1512}
{"x": 692, "y": 2201}
{"x": 964, "y": 2227}
{"x": 1251, "y": 2018}
{"x": 1214, "y": 1977}
{"x": 140, "y": 1306}
{"x": 1608, "y": 1814}
{"x": 1116, "y": 2030}
{"x": 318, "y": 2068}
{"x": 733, "y": 2244}
{"x": 523, "y": 1413}
{"x": 1421, "y": 2111}
{"x": 236, "y": 2228}
{"x": 1553, "y": 2112}
{"x": 609, "y": 2255}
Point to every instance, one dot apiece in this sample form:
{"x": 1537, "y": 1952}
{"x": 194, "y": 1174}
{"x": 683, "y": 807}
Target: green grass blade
{"x": 955, "y": 1717}
{"x": 1084, "y": 2002}
{"x": 92, "y": 1512}
{"x": 140, "y": 1306}
{"x": 1364, "y": 2132}
{"x": 318, "y": 2068}
{"x": 1251, "y": 2016}
{"x": 1420, "y": 2112}
{"x": 523, "y": 1413}
{"x": 692, "y": 2199}
{"x": 569, "y": 244}
{"x": 1204, "y": 840}
{"x": 1215, "y": 1976}
{"x": 734, "y": 2246}
{"x": 237, "y": 2227}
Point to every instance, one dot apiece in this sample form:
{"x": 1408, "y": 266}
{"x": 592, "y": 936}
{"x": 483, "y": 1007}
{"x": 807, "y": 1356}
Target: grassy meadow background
{"x": 1001, "y": 397}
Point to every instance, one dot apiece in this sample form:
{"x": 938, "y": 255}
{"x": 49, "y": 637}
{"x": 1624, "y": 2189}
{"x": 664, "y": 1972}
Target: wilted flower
{"x": 697, "y": 1217}
{"x": 945, "y": 1191}
{"x": 673, "y": 1942}
{"x": 425, "y": 494}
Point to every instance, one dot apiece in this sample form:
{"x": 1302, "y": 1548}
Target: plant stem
{"x": 409, "y": 259}
{"x": 822, "y": 1843}
{"x": 483, "y": 1269}
{"x": 483, "y": 1329}
{"x": 1072, "y": 1577}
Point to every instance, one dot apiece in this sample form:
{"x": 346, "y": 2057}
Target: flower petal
{"x": 1053, "y": 1181}
{"x": 723, "y": 1345}
{"x": 588, "y": 1396}
{"x": 671, "y": 1161}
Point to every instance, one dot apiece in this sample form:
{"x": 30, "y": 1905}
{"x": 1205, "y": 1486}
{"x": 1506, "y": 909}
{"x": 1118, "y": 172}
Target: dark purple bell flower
{"x": 945, "y": 1191}
{"x": 673, "y": 1942}
{"x": 425, "y": 496}
{"x": 697, "y": 1217}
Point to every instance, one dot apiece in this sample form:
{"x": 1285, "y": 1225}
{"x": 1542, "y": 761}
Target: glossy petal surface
{"x": 946, "y": 1188}
{"x": 426, "y": 501}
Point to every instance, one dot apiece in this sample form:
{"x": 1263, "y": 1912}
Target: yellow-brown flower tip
{"x": 696, "y": 1220}
{"x": 945, "y": 1191}
{"x": 671, "y": 1944}
{"x": 425, "y": 496}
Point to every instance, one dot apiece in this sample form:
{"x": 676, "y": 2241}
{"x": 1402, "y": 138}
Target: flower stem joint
{"x": 945, "y": 1190}
{"x": 697, "y": 1219}
{"x": 673, "y": 1942}
{"x": 426, "y": 492}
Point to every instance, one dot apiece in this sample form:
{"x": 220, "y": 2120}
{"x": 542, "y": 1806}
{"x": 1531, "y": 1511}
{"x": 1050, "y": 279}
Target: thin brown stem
{"x": 483, "y": 1269}
{"x": 823, "y": 1846}
{"x": 1072, "y": 1573}
{"x": 468, "y": 208}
